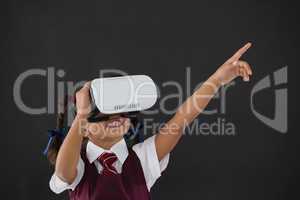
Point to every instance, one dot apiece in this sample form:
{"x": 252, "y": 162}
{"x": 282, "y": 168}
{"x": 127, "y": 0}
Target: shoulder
{"x": 152, "y": 167}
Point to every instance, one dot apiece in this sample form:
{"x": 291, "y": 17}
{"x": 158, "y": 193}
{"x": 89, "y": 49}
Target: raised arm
{"x": 69, "y": 153}
{"x": 169, "y": 135}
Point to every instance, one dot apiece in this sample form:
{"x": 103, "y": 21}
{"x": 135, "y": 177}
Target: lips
{"x": 116, "y": 122}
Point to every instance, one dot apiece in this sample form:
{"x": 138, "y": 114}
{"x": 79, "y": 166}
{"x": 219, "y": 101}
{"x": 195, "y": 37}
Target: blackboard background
{"x": 159, "y": 39}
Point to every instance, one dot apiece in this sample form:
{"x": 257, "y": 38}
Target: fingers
{"x": 87, "y": 85}
{"x": 239, "y": 53}
{"x": 85, "y": 89}
{"x": 245, "y": 75}
{"x": 243, "y": 69}
{"x": 82, "y": 100}
{"x": 246, "y": 66}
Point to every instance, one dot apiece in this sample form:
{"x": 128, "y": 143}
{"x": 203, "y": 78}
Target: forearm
{"x": 196, "y": 103}
{"x": 172, "y": 131}
{"x": 69, "y": 153}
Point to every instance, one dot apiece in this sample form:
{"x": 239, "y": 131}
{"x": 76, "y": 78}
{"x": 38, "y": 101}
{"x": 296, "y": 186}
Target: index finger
{"x": 239, "y": 53}
{"x": 87, "y": 85}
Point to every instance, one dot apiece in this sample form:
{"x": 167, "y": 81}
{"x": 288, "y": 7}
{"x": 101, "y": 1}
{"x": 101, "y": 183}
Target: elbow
{"x": 66, "y": 175}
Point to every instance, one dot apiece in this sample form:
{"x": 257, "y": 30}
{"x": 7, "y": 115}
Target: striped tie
{"x": 107, "y": 160}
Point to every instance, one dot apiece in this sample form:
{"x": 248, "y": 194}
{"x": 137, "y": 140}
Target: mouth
{"x": 115, "y": 123}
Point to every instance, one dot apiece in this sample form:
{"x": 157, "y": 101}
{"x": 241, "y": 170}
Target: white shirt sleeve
{"x": 152, "y": 168}
{"x": 57, "y": 185}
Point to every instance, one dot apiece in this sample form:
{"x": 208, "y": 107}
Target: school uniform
{"x": 116, "y": 174}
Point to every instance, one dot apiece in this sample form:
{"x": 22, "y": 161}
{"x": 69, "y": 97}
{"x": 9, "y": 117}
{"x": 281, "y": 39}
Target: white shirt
{"x": 145, "y": 151}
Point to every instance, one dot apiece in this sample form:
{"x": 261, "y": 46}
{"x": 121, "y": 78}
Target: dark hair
{"x": 56, "y": 140}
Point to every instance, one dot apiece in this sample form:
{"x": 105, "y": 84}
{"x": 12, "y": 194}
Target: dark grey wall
{"x": 159, "y": 39}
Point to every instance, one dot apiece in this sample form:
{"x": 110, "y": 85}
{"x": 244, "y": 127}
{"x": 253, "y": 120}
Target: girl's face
{"x": 112, "y": 128}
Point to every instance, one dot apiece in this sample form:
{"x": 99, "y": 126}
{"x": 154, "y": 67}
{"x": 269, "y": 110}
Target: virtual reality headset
{"x": 121, "y": 95}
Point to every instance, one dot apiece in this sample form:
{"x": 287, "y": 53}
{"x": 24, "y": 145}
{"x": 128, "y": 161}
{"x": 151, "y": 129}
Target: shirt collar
{"x": 93, "y": 151}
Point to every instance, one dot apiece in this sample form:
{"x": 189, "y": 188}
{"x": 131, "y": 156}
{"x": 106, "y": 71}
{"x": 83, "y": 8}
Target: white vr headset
{"x": 123, "y": 94}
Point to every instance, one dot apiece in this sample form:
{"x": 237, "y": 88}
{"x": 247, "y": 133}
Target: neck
{"x": 106, "y": 143}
